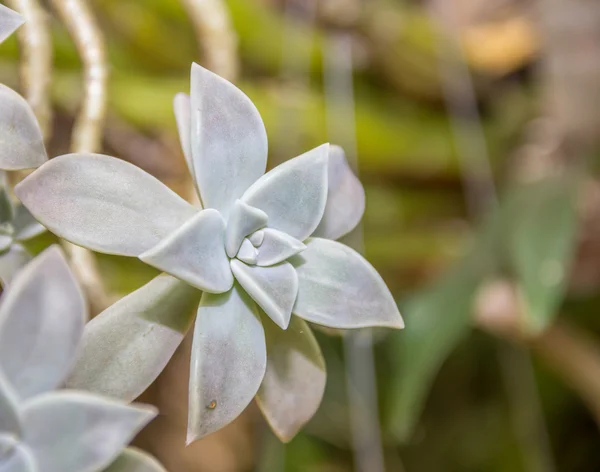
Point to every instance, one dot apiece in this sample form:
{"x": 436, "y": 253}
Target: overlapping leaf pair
{"x": 42, "y": 316}
{"x": 262, "y": 252}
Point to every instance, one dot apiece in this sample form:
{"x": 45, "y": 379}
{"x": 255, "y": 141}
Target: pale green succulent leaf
{"x": 128, "y": 345}
{"x": 247, "y": 253}
{"x": 103, "y": 203}
{"x": 229, "y": 140}
{"x": 195, "y": 253}
{"x": 294, "y": 381}
{"x": 243, "y": 220}
{"x": 541, "y": 243}
{"x": 345, "y": 198}
{"x": 12, "y": 261}
{"x": 273, "y": 288}
{"x": 181, "y": 107}
{"x": 76, "y": 431}
{"x": 42, "y": 316}
{"x": 338, "y": 288}
{"x": 135, "y": 460}
{"x": 228, "y": 361}
{"x": 276, "y": 247}
{"x": 293, "y": 194}
{"x": 9, "y": 21}
{"x": 15, "y": 456}
{"x": 25, "y": 225}
{"x": 21, "y": 141}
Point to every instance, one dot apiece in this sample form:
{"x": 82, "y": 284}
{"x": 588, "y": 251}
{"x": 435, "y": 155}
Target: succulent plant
{"x": 257, "y": 251}
{"x": 42, "y": 316}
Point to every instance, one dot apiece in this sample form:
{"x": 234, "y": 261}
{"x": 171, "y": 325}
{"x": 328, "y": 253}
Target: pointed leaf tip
{"x": 340, "y": 289}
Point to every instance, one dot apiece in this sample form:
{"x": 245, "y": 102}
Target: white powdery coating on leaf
{"x": 273, "y": 288}
{"x": 127, "y": 346}
{"x": 103, "y": 203}
{"x": 340, "y": 289}
{"x": 294, "y": 193}
{"x": 228, "y": 361}
{"x": 195, "y": 252}
{"x": 229, "y": 140}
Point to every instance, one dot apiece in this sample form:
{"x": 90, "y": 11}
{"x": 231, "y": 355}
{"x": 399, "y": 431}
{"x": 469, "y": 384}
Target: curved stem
{"x": 87, "y": 132}
{"x": 215, "y": 35}
{"x": 36, "y": 66}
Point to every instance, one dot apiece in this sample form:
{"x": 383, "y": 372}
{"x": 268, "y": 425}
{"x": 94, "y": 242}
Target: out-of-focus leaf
{"x": 345, "y": 198}
{"x": 135, "y": 460}
{"x": 74, "y": 431}
{"x": 21, "y": 142}
{"x": 41, "y": 321}
{"x": 436, "y": 320}
{"x": 294, "y": 382}
{"x": 542, "y": 224}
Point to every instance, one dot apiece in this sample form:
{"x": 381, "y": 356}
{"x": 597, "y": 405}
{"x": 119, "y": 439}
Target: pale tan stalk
{"x": 87, "y": 132}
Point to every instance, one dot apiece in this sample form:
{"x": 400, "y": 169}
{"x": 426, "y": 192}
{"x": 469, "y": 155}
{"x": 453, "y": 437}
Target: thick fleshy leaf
{"x": 9, "y": 21}
{"x": 243, "y": 220}
{"x": 257, "y": 238}
{"x": 340, "y": 289}
{"x": 294, "y": 382}
{"x": 15, "y": 456}
{"x": 9, "y": 418}
{"x": 21, "y": 141}
{"x": 294, "y": 193}
{"x": 195, "y": 253}
{"x": 135, "y": 460}
{"x": 228, "y": 361}
{"x": 76, "y": 431}
{"x": 229, "y": 140}
{"x": 41, "y": 322}
{"x": 25, "y": 225}
{"x": 103, "y": 203}
{"x": 276, "y": 247}
{"x": 128, "y": 345}
{"x": 345, "y": 198}
{"x": 181, "y": 106}
{"x": 247, "y": 253}
{"x": 11, "y": 262}
{"x": 273, "y": 288}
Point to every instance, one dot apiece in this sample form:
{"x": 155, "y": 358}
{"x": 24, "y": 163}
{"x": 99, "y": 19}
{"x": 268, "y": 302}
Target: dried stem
{"x": 215, "y": 35}
{"x": 36, "y": 66}
{"x": 87, "y": 132}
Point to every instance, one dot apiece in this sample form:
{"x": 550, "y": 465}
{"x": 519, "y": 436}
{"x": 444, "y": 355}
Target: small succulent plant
{"x": 262, "y": 252}
{"x": 42, "y": 316}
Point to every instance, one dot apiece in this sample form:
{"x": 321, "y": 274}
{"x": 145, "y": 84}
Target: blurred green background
{"x": 496, "y": 273}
